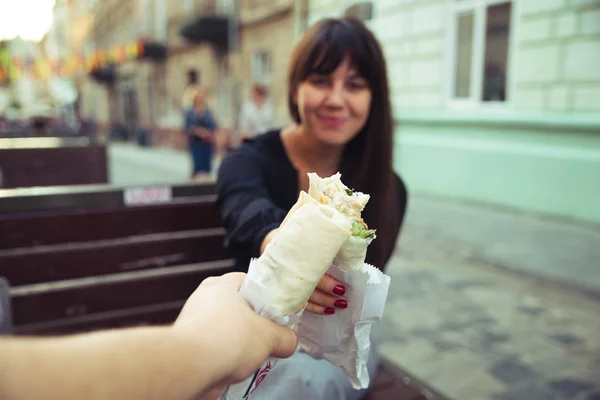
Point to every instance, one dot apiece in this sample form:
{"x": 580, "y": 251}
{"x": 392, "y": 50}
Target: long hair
{"x": 367, "y": 159}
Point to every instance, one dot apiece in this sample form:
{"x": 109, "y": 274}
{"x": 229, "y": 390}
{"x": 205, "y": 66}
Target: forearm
{"x": 147, "y": 363}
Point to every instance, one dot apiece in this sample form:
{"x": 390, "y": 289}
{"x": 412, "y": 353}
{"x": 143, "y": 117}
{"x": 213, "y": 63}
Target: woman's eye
{"x": 319, "y": 81}
{"x": 356, "y": 84}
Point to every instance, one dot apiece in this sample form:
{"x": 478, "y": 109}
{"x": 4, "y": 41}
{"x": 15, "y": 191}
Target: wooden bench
{"x": 27, "y": 162}
{"x": 80, "y": 259}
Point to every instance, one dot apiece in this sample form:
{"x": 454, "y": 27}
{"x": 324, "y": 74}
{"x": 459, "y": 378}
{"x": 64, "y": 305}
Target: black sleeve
{"x": 247, "y": 210}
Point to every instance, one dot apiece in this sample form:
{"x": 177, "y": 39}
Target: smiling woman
{"x": 338, "y": 98}
{"x": 17, "y": 19}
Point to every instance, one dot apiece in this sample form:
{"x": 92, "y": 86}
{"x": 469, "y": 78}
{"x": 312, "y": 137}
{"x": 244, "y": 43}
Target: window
{"x": 160, "y": 20}
{"x": 187, "y": 6}
{"x": 261, "y": 66}
{"x": 362, "y": 10}
{"x": 480, "y": 50}
{"x": 227, "y": 7}
{"x": 193, "y": 77}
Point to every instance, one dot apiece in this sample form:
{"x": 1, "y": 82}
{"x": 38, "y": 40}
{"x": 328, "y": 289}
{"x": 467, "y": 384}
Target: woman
{"x": 339, "y": 99}
{"x": 200, "y": 126}
{"x": 257, "y": 114}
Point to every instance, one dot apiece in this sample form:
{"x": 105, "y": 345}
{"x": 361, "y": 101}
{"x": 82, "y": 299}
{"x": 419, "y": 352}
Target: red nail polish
{"x": 339, "y": 290}
{"x": 341, "y": 303}
{"x": 329, "y": 311}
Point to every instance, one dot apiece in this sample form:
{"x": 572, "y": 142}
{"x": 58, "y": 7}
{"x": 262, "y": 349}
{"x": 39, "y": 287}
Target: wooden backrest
{"x": 28, "y": 162}
{"x": 81, "y": 258}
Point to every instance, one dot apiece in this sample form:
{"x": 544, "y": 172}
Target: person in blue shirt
{"x": 200, "y": 127}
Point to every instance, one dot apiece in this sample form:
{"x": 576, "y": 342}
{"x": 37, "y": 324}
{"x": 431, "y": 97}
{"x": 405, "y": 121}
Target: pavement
{"x": 485, "y": 303}
{"x": 130, "y": 164}
{"x": 491, "y": 304}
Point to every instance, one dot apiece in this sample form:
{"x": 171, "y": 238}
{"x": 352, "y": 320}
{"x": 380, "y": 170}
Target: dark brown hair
{"x": 367, "y": 159}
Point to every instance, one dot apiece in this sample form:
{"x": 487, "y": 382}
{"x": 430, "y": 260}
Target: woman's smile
{"x": 331, "y": 121}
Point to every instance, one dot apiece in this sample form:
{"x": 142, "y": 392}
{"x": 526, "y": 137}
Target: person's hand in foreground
{"x": 243, "y": 339}
{"x": 217, "y": 340}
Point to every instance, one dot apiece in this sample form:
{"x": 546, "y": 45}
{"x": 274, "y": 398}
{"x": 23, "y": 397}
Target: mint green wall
{"x": 542, "y": 163}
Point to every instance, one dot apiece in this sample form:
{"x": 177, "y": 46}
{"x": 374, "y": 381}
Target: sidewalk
{"x": 134, "y": 165}
{"x": 469, "y": 315}
{"x": 551, "y": 248}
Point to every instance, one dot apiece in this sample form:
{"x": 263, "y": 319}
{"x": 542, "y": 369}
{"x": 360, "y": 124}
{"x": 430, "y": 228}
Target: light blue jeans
{"x": 302, "y": 377}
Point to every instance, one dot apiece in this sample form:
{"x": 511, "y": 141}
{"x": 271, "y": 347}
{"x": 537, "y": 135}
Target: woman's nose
{"x": 335, "y": 96}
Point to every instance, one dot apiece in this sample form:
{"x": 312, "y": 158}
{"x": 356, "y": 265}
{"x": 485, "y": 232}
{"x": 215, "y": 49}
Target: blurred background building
{"x": 496, "y": 101}
{"x": 222, "y": 45}
{"x": 497, "y": 136}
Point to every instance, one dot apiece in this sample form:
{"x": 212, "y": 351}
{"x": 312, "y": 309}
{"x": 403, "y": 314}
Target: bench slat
{"x": 46, "y": 228}
{"x": 57, "y": 262}
{"x": 72, "y": 165}
{"x": 78, "y": 297}
{"x": 158, "y": 314}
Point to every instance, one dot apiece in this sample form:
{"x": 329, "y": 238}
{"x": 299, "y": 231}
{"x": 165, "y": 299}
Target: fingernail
{"x": 339, "y": 290}
{"x": 329, "y": 311}
{"x": 341, "y": 303}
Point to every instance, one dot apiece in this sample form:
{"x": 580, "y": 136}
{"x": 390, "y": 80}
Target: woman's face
{"x": 334, "y": 108}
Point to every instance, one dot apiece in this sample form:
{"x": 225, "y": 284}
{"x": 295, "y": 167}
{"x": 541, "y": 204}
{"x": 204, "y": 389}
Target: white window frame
{"x": 227, "y": 7}
{"x": 257, "y": 67}
{"x": 479, "y": 9}
{"x": 187, "y": 6}
{"x": 346, "y": 4}
{"x": 145, "y": 14}
{"x": 160, "y": 20}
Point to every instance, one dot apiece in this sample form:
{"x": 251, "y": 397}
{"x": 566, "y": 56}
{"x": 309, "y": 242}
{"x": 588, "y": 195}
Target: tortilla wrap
{"x": 301, "y": 252}
{"x": 352, "y": 254}
{"x": 303, "y": 198}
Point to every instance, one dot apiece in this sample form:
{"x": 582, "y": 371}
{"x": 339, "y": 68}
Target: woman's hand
{"x": 327, "y": 297}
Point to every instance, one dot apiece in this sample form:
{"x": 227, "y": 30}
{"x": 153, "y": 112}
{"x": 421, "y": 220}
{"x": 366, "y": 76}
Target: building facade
{"x": 266, "y": 38}
{"x": 496, "y": 101}
{"x": 226, "y": 45}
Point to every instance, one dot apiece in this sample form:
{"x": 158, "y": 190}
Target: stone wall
{"x": 558, "y": 55}
{"x": 412, "y": 36}
{"x": 556, "y": 52}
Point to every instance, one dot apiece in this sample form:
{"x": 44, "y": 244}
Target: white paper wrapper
{"x": 344, "y": 337}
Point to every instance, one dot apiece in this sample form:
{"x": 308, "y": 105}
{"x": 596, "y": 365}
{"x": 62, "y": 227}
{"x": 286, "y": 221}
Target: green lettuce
{"x": 360, "y": 231}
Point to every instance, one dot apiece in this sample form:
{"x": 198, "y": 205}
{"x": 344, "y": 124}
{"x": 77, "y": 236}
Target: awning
{"x": 153, "y": 51}
{"x": 106, "y": 74}
{"x": 208, "y": 28}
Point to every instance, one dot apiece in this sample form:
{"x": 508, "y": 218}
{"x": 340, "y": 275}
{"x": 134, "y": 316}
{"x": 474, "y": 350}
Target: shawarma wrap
{"x": 281, "y": 280}
{"x": 301, "y": 252}
{"x": 331, "y": 191}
